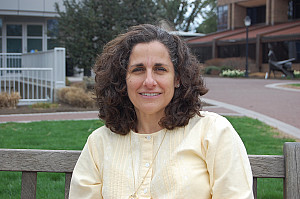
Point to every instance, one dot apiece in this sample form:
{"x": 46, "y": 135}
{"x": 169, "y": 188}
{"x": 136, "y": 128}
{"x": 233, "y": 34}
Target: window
{"x": 14, "y": 30}
{"x": 14, "y": 38}
{"x": 0, "y": 35}
{"x": 34, "y": 45}
{"x": 257, "y": 14}
{"x": 14, "y": 45}
{"x": 34, "y": 30}
{"x": 34, "y": 38}
{"x": 294, "y": 9}
{"x": 222, "y": 17}
{"x": 52, "y": 32}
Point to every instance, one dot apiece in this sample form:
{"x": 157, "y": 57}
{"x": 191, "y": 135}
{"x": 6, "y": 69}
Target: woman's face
{"x": 150, "y": 78}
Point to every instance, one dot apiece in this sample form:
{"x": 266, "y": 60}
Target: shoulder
{"x": 212, "y": 126}
{"x": 209, "y": 119}
{"x": 103, "y": 134}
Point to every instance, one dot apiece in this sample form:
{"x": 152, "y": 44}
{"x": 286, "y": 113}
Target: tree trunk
{"x": 87, "y": 72}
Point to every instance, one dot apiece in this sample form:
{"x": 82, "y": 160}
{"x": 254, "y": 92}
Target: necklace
{"x": 134, "y": 195}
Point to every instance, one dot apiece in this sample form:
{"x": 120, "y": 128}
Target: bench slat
{"x": 30, "y": 161}
{"x": 29, "y": 180}
{"x": 64, "y": 161}
{"x": 60, "y": 161}
{"x": 267, "y": 166}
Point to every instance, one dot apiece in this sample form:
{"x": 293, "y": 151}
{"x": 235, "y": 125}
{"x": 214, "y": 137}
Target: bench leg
{"x": 291, "y": 152}
{"x": 67, "y": 184}
{"x": 29, "y": 180}
{"x": 255, "y": 188}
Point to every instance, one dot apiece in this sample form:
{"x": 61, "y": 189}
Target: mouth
{"x": 149, "y": 94}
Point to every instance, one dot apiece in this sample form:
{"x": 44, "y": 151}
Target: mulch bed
{"x": 27, "y": 109}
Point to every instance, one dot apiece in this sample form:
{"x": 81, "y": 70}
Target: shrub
{"x": 67, "y": 82}
{"x": 76, "y": 97}
{"x": 89, "y": 81}
{"x": 232, "y": 73}
{"x": 214, "y": 62}
{"x": 297, "y": 74}
{"x": 9, "y": 100}
{"x": 212, "y": 70}
{"x": 81, "y": 85}
{"x": 226, "y": 68}
{"x": 233, "y": 63}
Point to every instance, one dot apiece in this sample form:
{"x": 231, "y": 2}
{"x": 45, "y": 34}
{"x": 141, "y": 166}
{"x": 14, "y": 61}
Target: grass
{"x": 57, "y": 135}
{"x": 261, "y": 139}
{"x": 71, "y": 135}
{"x": 296, "y": 85}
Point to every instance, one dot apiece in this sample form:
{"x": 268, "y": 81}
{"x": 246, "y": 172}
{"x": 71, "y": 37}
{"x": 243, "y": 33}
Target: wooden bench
{"x": 29, "y": 162}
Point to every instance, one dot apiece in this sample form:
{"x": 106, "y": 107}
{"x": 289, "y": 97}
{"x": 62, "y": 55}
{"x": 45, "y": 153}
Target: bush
{"x": 81, "y": 85}
{"x": 233, "y": 73}
{"x": 89, "y": 81}
{"x": 9, "y": 100}
{"x": 76, "y": 97}
{"x": 212, "y": 70}
{"x": 214, "y": 62}
{"x": 297, "y": 74}
{"x": 232, "y": 63}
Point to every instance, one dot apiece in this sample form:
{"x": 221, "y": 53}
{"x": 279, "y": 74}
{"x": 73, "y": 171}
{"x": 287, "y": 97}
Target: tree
{"x": 86, "y": 26}
{"x": 209, "y": 23}
{"x": 183, "y": 13}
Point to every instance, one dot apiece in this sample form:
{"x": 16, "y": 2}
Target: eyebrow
{"x": 141, "y": 64}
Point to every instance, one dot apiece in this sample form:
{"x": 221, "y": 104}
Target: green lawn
{"x": 71, "y": 135}
{"x": 297, "y": 85}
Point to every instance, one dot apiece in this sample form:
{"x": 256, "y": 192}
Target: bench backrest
{"x": 29, "y": 162}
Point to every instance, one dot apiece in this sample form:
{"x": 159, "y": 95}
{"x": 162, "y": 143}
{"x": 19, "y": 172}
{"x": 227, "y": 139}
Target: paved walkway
{"x": 86, "y": 115}
{"x": 262, "y": 99}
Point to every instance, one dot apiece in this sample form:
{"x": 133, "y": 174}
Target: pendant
{"x": 133, "y": 196}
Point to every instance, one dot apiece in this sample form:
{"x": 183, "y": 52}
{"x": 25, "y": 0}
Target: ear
{"x": 177, "y": 82}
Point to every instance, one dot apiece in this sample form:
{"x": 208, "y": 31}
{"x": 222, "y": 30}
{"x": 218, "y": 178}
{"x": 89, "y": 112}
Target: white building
{"x": 25, "y": 25}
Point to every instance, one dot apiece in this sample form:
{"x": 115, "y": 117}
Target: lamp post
{"x": 247, "y": 22}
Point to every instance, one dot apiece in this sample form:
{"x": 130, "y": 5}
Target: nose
{"x": 149, "y": 79}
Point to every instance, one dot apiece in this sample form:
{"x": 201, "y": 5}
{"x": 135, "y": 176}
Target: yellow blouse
{"x": 205, "y": 159}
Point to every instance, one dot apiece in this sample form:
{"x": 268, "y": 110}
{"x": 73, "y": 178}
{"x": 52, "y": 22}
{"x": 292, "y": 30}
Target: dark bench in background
{"x": 284, "y": 66}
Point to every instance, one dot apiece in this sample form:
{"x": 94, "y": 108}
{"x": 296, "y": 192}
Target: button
{"x": 147, "y": 164}
{"x": 145, "y": 191}
{"x": 148, "y": 137}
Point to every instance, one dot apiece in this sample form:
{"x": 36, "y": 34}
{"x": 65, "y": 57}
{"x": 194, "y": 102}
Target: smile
{"x": 150, "y": 94}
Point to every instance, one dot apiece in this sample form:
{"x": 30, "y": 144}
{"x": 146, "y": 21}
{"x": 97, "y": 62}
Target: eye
{"x": 137, "y": 69}
{"x": 160, "y": 68}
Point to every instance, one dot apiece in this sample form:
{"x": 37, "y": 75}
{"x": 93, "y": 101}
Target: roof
{"x": 288, "y": 30}
{"x": 186, "y": 34}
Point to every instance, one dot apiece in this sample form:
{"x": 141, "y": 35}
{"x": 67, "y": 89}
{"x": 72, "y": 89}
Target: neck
{"x": 148, "y": 124}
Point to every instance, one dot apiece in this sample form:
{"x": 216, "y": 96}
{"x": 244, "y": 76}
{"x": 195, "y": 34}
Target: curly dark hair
{"x": 115, "y": 107}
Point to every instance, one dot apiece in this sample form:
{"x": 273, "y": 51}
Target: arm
{"x": 227, "y": 162}
{"x": 86, "y": 180}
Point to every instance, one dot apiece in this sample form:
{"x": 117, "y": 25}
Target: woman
{"x": 156, "y": 143}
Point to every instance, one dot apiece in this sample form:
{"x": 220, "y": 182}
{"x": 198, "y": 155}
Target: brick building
{"x": 275, "y": 22}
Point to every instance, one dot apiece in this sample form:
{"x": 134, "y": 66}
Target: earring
{"x": 177, "y": 86}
